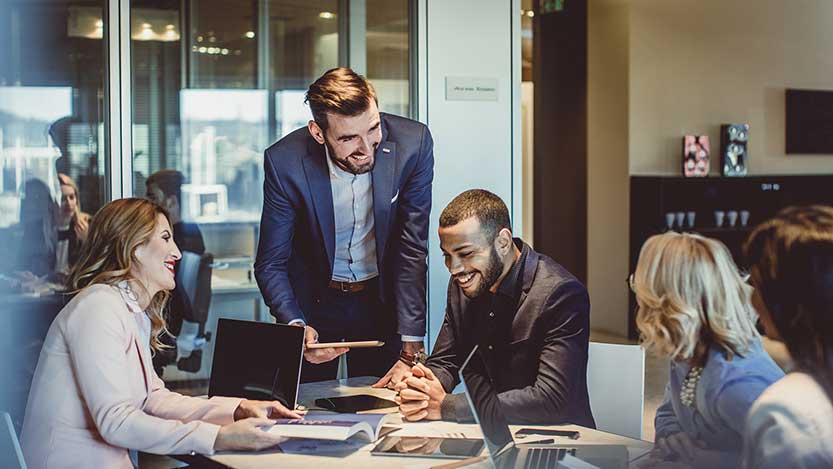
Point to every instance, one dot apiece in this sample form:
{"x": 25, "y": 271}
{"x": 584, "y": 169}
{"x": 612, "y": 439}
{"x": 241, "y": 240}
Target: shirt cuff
{"x": 297, "y": 321}
{"x": 411, "y": 338}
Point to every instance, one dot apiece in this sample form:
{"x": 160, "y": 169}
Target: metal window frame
{"x": 119, "y": 115}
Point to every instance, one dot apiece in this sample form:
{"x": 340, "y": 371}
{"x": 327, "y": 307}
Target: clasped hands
{"x": 420, "y": 395}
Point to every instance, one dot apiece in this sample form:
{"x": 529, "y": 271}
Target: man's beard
{"x": 489, "y": 276}
{"x": 349, "y": 165}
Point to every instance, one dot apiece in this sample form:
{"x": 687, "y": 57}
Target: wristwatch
{"x": 411, "y": 359}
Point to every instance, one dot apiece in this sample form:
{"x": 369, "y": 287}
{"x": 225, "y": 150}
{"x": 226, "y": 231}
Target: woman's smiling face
{"x": 155, "y": 259}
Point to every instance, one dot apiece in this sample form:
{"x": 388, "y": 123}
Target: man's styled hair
{"x": 339, "y": 91}
{"x": 487, "y": 207}
{"x": 169, "y": 181}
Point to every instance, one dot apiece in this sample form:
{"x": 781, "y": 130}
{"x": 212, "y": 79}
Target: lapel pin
{"x": 385, "y": 150}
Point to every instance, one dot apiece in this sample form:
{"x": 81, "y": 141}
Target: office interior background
{"x": 581, "y": 135}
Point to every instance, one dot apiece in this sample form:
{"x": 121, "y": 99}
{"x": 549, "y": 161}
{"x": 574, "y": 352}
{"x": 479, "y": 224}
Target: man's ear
{"x": 503, "y": 241}
{"x": 316, "y": 132}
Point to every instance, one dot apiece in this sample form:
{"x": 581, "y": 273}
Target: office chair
{"x": 616, "y": 387}
{"x": 11, "y": 455}
{"x": 194, "y": 278}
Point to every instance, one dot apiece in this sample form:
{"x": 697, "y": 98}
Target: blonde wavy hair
{"x": 691, "y": 296}
{"x": 108, "y": 255}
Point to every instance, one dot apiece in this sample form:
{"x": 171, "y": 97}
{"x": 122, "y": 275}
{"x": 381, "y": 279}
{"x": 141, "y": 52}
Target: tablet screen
{"x": 461, "y": 448}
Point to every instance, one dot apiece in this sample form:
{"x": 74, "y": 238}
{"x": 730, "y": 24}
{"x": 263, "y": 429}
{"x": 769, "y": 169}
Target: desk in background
{"x": 363, "y": 459}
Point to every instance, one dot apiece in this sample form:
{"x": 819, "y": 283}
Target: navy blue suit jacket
{"x": 297, "y": 231}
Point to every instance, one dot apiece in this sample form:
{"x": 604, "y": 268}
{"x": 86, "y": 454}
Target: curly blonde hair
{"x": 108, "y": 255}
{"x": 691, "y": 296}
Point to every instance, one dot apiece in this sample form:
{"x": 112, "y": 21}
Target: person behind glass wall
{"x": 95, "y": 394}
{"x": 165, "y": 188}
{"x": 529, "y": 316}
{"x": 72, "y": 226}
{"x": 344, "y": 229}
{"x": 694, "y": 308}
{"x": 791, "y": 260}
{"x": 36, "y": 255}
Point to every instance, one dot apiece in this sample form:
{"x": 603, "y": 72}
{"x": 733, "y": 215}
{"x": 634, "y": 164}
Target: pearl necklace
{"x": 689, "y": 386}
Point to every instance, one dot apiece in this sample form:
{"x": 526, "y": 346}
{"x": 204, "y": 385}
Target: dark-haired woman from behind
{"x": 791, "y": 259}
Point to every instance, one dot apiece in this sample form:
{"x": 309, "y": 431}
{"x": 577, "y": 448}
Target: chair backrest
{"x": 616, "y": 385}
{"x": 11, "y": 455}
{"x": 193, "y": 276}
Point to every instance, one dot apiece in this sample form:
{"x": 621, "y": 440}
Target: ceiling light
{"x": 250, "y": 34}
{"x": 326, "y": 15}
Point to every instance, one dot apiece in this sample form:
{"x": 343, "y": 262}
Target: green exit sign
{"x": 551, "y": 6}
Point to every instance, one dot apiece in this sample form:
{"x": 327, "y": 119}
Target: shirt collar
{"x": 512, "y": 284}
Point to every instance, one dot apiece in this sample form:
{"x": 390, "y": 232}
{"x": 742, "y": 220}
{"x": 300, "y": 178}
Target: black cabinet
{"x": 719, "y": 206}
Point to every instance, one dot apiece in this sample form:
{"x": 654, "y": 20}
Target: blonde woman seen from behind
{"x": 694, "y": 309}
{"x": 95, "y": 395}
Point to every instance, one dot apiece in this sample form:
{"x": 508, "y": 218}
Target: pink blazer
{"x": 95, "y": 393}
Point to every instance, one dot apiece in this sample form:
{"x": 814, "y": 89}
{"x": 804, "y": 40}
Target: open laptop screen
{"x": 257, "y": 360}
{"x": 484, "y": 402}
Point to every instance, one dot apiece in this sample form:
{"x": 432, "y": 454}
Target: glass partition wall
{"x": 102, "y": 94}
{"x": 53, "y": 167}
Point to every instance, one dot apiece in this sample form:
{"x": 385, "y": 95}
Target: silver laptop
{"x": 485, "y": 407}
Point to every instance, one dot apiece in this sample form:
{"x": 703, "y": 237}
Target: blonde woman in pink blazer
{"x": 95, "y": 395}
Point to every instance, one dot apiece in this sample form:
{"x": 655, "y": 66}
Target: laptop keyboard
{"x": 543, "y": 458}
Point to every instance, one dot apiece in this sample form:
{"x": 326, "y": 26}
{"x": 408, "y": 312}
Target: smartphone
{"x": 429, "y": 447}
{"x": 353, "y": 404}
{"x": 572, "y": 434}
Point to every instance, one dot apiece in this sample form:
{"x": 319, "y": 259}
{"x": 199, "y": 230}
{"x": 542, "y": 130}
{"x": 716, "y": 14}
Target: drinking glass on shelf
{"x": 718, "y": 218}
{"x": 732, "y": 217}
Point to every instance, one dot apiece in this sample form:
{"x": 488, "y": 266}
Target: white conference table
{"x": 362, "y": 458}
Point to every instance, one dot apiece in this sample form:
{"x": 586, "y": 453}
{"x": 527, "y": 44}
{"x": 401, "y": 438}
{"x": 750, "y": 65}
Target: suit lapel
{"x": 318, "y": 178}
{"x": 520, "y": 328}
{"x": 384, "y": 184}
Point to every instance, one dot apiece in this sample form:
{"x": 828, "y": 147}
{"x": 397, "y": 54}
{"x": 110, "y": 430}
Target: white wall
{"x": 476, "y": 143}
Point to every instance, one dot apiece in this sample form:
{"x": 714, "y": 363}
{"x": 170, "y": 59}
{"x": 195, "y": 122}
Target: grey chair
{"x": 11, "y": 456}
{"x": 194, "y": 278}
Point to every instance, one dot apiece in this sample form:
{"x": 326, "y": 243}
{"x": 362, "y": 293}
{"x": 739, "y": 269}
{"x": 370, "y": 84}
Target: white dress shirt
{"x": 355, "y": 247}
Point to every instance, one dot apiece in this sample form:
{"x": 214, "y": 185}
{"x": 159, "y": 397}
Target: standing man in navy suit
{"x": 344, "y": 230}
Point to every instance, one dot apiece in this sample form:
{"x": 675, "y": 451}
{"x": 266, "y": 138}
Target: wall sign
{"x": 470, "y": 89}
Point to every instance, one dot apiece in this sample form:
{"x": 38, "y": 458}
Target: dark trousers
{"x": 343, "y": 316}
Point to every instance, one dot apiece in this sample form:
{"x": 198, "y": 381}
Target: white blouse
{"x": 790, "y": 425}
